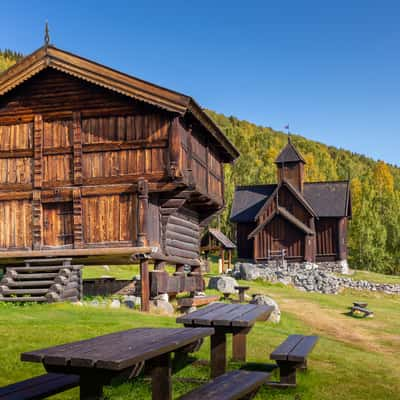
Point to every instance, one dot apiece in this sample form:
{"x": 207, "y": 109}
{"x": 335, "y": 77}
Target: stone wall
{"x": 306, "y": 276}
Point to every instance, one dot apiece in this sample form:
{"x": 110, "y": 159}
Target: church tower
{"x": 290, "y": 166}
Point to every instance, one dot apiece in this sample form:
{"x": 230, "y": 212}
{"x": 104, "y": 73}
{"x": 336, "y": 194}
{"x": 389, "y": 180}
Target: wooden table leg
{"x": 91, "y": 387}
{"x": 239, "y": 347}
{"x": 287, "y": 372}
{"x": 161, "y": 383}
{"x": 218, "y": 353}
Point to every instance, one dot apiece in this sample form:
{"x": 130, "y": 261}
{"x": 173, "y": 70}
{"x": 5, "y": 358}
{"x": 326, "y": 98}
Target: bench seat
{"x": 232, "y": 385}
{"x": 365, "y": 311}
{"x": 291, "y": 355}
{"x": 39, "y": 387}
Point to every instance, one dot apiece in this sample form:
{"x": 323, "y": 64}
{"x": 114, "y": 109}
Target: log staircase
{"x": 42, "y": 280}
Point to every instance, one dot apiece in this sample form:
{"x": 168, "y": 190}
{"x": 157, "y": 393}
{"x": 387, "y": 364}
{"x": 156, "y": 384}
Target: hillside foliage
{"x": 374, "y": 239}
{"x": 8, "y": 58}
{"x": 374, "y": 234}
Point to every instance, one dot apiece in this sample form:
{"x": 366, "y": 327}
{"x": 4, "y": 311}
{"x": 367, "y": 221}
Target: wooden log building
{"x": 297, "y": 220}
{"x": 214, "y": 241}
{"x": 101, "y": 166}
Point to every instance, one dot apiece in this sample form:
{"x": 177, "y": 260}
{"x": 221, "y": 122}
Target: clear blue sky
{"x": 330, "y": 69}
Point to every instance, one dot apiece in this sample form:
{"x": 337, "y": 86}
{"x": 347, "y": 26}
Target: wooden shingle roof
{"x": 90, "y": 71}
{"x": 221, "y": 238}
{"x": 289, "y": 155}
{"x": 327, "y": 199}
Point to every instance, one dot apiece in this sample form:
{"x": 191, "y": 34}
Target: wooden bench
{"x": 365, "y": 311}
{"x": 290, "y": 356}
{"x": 241, "y": 290}
{"x": 196, "y": 301}
{"x": 233, "y": 385}
{"x": 39, "y": 387}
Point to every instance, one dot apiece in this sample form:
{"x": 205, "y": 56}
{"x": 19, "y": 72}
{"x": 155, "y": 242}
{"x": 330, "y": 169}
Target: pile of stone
{"x": 306, "y": 276}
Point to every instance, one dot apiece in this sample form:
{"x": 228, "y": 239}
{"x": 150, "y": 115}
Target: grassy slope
{"x": 355, "y": 358}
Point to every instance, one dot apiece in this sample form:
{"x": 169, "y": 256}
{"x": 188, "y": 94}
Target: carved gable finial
{"x": 46, "y": 34}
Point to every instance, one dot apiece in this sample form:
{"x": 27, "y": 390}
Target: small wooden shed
{"x": 214, "y": 241}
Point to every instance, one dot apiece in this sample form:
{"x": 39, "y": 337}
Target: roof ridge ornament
{"x": 287, "y": 127}
{"x": 46, "y": 35}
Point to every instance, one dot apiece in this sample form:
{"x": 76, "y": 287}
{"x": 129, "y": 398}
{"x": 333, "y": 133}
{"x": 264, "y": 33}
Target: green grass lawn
{"x": 359, "y": 275}
{"x": 354, "y": 359}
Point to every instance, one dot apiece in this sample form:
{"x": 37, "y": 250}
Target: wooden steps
{"x": 42, "y": 280}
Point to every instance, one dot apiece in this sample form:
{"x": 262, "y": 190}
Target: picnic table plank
{"x": 280, "y": 353}
{"x": 189, "y": 318}
{"x": 97, "y": 360}
{"x": 301, "y": 350}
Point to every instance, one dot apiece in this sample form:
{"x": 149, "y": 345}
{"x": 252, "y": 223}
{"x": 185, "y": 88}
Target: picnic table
{"x": 102, "y": 358}
{"x": 235, "y": 319}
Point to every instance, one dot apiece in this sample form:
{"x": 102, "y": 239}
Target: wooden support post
{"x": 229, "y": 259}
{"x": 160, "y": 265}
{"x": 145, "y": 285}
{"x": 342, "y": 245}
{"x": 77, "y": 225}
{"x": 143, "y": 208}
{"x": 174, "y": 148}
{"x": 36, "y": 220}
{"x": 223, "y": 260}
{"x": 77, "y": 143}
{"x": 239, "y": 348}
{"x": 37, "y": 151}
{"x": 287, "y": 372}
{"x": 218, "y": 353}
{"x": 161, "y": 384}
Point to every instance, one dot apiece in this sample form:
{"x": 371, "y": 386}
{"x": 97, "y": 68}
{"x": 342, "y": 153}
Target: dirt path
{"x": 340, "y": 327}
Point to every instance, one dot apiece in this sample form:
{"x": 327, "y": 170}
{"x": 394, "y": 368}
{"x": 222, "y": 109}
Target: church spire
{"x": 290, "y": 164}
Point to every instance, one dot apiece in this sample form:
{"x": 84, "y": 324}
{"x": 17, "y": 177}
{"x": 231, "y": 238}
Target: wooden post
{"x": 37, "y": 151}
{"x": 218, "y": 353}
{"x": 161, "y": 369}
{"x": 77, "y": 225}
{"x": 174, "y": 149}
{"x": 143, "y": 208}
{"x": 36, "y": 220}
{"x": 239, "y": 345}
{"x": 223, "y": 260}
{"x": 229, "y": 259}
{"x": 342, "y": 246}
{"x": 77, "y": 143}
{"x": 145, "y": 285}
{"x": 159, "y": 265}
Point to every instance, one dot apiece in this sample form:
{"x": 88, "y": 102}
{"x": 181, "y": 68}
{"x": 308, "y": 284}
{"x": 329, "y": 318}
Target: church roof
{"x": 289, "y": 154}
{"x": 286, "y": 215}
{"x": 90, "y": 71}
{"x": 327, "y": 199}
{"x": 248, "y": 201}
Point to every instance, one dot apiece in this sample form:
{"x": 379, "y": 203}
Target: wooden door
{"x": 58, "y": 225}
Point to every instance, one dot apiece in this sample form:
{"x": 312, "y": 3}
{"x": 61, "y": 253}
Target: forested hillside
{"x": 374, "y": 240}
{"x": 8, "y": 58}
{"x": 375, "y": 229}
